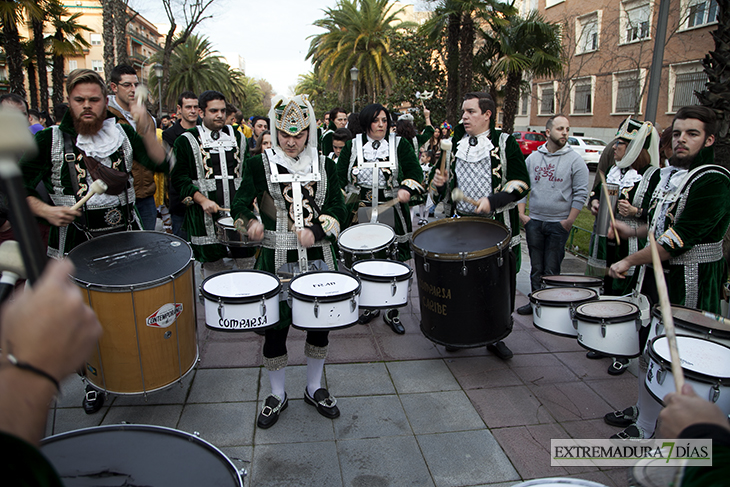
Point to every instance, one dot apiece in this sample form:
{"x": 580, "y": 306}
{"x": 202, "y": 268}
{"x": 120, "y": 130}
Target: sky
{"x": 271, "y": 35}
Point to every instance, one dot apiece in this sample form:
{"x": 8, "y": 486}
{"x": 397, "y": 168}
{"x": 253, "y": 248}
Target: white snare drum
{"x": 552, "y": 308}
{"x": 706, "y": 366}
{"x": 692, "y": 322}
{"x": 610, "y": 327}
{"x": 241, "y": 300}
{"x": 573, "y": 280}
{"x": 324, "y": 300}
{"x": 641, "y": 301}
{"x": 228, "y": 235}
{"x": 366, "y": 241}
{"x": 559, "y": 482}
{"x": 385, "y": 283}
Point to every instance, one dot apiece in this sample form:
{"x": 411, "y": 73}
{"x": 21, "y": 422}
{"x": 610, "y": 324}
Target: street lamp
{"x": 353, "y": 76}
{"x": 158, "y": 72}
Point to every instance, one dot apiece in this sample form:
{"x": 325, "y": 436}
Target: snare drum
{"x": 228, "y": 235}
{"x": 690, "y": 322}
{"x": 706, "y": 366}
{"x": 241, "y": 300}
{"x": 610, "y": 327}
{"x": 140, "y": 285}
{"x": 138, "y": 454}
{"x": 366, "y": 241}
{"x": 552, "y": 308}
{"x": 385, "y": 283}
{"x": 324, "y": 300}
{"x": 573, "y": 280}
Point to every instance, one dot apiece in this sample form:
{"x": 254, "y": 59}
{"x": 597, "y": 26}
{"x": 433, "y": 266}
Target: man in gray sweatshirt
{"x": 559, "y": 180}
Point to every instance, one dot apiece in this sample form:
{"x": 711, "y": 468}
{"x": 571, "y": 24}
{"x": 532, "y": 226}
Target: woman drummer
{"x": 403, "y": 183}
{"x": 293, "y": 155}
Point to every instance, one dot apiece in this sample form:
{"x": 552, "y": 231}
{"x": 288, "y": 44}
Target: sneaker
{"x": 624, "y": 418}
{"x": 273, "y": 406}
{"x": 632, "y": 432}
{"x": 325, "y": 403}
{"x": 525, "y": 310}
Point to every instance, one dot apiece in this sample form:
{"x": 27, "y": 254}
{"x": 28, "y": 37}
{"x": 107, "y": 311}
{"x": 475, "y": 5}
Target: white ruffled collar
{"x": 224, "y": 140}
{"x": 623, "y": 179}
{"x": 372, "y": 154}
{"x": 474, "y": 153}
{"x": 302, "y": 165}
{"x": 103, "y": 143}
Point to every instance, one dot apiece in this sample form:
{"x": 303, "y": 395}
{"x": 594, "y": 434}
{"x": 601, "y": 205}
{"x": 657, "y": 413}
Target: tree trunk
{"x": 120, "y": 31}
{"x": 511, "y": 101}
{"x": 57, "y": 77}
{"x": 32, "y": 88}
{"x": 40, "y": 59}
{"x": 453, "y": 105}
{"x": 14, "y": 58}
{"x": 466, "y": 53}
{"x": 108, "y": 37}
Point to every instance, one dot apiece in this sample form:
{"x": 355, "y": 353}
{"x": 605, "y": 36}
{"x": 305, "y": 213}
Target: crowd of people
{"x": 293, "y": 187}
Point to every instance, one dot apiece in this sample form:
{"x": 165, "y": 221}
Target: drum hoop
{"x": 374, "y": 278}
{"x": 240, "y": 299}
{"x": 154, "y": 428}
{"x": 219, "y": 223}
{"x": 333, "y": 298}
{"x": 366, "y": 251}
{"x": 589, "y": 281}
{"x": 656, "y": 312}
{"x": 447, "y": 256}
{"x": 698, "y": 376}
{"x": 613, "y": 319}
{"x": 562, "y": 304}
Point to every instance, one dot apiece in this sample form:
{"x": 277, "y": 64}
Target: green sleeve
{"x": 425, "y": 136}
{"x": 408, "y": 166}
{"x": 326, "y": 144}
{"x": 516, "y": 167}
{"x": 184, "y": 172}
{"x": 343, "y": 163}
{"x": 253, "y": 185}
{"x": 334, "y": 203}
{"x": 38, "y": 167}
{"x": 140, "y": 151}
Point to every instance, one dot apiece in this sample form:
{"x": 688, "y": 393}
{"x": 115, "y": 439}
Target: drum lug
{"x": 393, "y": 287}
{"x": 714, "y": 393}
{"x": 263, "y": 306}
{"x": 661, "y": 374}
{"x": 537, "y": 309}
{"x": 353, "y": 304}
{"x": 220, "y": 308}
{"x": 426, "y": 265}
{"x": 603, "y": 330}
{"x": 656, "y": 328}
{"x": 316, "y": 308}
{"x": 638, "y": 324}
{"x": 464, "y": 270}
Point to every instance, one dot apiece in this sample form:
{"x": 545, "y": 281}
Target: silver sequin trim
{"x": 276, "y": 363}
{"x": 315, "y": 352}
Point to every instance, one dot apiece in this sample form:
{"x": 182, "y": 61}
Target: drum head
{"x": 572, "y": 280}
{"x": 137, "y": 455}
{"x": 366, "y": 236}
{"x": 123, "y": 259}
{"x": 226, "y": 221}
{"x": 324, "y": 285}
{"x": 244, "y": 286}
{"x": 381, "y": 270}
{"x": 696, "y": 354}
{"x": 559, "y": 482}
{"x": 469, "y": 235}
{"x": 607, "y": 311}
{"x": 693, "y": 319}
{"x": 563, "y": 296}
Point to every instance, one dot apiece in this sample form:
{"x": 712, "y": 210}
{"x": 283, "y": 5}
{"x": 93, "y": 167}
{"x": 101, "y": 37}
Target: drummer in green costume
{"x": 206, "y": 175}
{"x": 488, "y": 167}
{"x": 378, "y": 146}
{"x": 291, "y": 167}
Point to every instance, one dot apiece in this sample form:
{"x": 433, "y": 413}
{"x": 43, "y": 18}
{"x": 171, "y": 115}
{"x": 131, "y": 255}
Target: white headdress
{"x": 640, "y": 136}
{"x": 292, "y": 116}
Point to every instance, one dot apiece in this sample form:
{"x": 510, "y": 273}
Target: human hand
{"x": 60, "y": 216}
{"x": 483, "y": 206}
{"x": 685, "y": 409}
{"x": 595, "y": 204}
{"x": 619, "y": 269}
{"x": 439, "y": 179}
{"x": 404, "y": 196}
{"x": 305, "y": 237}
{"x": 209, "y": 206}
{"x": 255, "y": 230}
{"x": 626, "y": 209}
{"x": 524, "y": 219}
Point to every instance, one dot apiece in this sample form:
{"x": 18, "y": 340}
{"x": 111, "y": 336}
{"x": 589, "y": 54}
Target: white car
{"x": 589, "y": 149}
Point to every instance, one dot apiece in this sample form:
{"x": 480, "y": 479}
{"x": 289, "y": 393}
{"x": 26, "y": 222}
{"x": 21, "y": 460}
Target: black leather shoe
{"x": 392, "y": 318}
{"x": 368, "y": 315}
{"x": 593, "y": 355}
{"x": 93, "y": 400}
{"x": 500, "y": 350}
{"x": 525, "y": 310}
{"x": 269, "y": 415}
{"x": 618, "y": 366}
{"x": 622, "y": 419}
{"x": 325, "y": 403}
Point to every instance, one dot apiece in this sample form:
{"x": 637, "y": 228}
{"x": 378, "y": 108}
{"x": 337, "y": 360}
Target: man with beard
{"x": 689, "y": 213}
{"x": 207, "y": 174}
{"x": 559, "y": 182}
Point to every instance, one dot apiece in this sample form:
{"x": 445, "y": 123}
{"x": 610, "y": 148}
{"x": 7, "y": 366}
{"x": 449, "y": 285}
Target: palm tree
{"x": 66, "y": 41}
{"x": 11, "y": 12}
{"x": 30, "y": 68}
{"x": 39, "y": 40}
{"x": 525, "y": 45}
{"x": 107, "y": 15}
{"x": 358, "y": 33}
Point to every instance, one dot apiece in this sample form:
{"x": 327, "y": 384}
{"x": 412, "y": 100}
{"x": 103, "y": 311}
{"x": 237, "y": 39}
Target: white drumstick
{"x": 458, "y": 195}
{"x": 97, "y": 187}
{"x": 140, "y": 94}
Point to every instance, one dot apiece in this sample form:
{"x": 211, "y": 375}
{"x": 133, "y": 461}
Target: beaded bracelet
{"x": 35, "y": 370}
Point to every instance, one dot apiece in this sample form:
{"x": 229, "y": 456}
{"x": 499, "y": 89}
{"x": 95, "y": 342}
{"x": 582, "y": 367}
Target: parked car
{"x": 589, "y": 149}
{"x": 529, "y": 141}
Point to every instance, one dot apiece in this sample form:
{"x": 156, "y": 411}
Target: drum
{"x": 706, "y": 366}
{"x": 692, "y": 322}
{"x": 552, "y": 308}
{"x": 641, "y": 301}
{"x": 366, "y": 241}
{"x": 573, "y": 280}
{"x": 136, "y": 454}
{"x": 140, "y": 285}
{"x": 324, "y": 300}
{"x": 654, "y": 472}
{"x": 609, "y": 326}
{"x": 241, "y": 300}
{"x": 603, "y": 219}
{"x": 559, "y": 482}
{"x": 385, "y": 283}
{"x": 229, "y": 236}
{"x": 465, "y": 273}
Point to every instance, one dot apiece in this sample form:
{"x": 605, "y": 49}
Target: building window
{"x": 684, "y": 80}
{"x": 583, "y": 96}
{"x": 636, "y": 21}
{"x": 97, "y": 66}
{"x": 524, "y": 103}
{"x": 550, "y": 3}
{"x": 73, "y": 65}
{"x": 587, "y": 33}
{"x": 95, "y": 39}
{"x": 627, "y": 90}
{"x": 700, "y": 12}
{"x": 547, "y": 98}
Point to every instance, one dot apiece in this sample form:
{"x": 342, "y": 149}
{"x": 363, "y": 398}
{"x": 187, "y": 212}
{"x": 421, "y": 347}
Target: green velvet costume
{"x": 325, "y": 140}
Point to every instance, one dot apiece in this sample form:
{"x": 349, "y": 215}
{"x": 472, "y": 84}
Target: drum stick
{"x": 227, "y": 210}
{"x": 610, "y": 210}
{"x": 446, "y": 146}
{"x": 667, "y": 317}
{"x": 97, "y": 187}
{"x": 458, "y": 195}
{"x": 387, "y": 204}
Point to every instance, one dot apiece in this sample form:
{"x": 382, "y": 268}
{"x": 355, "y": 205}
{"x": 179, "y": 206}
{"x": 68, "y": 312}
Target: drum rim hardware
{"x": 375, "y": 278}
{"x": 537, "y": 301}
{"x": 589, "y": 281}
{"x": 705, "y": 331}
{"x": 633, "y": 315}
{"x": 240, "y": 299}
{"x": 500, "y": 247}
{"x": 698, "y": 376}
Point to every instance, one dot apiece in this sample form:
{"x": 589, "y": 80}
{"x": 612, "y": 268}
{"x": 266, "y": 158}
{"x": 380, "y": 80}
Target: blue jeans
{"x": 147, "y": 212}
{"x": 546, "y": 243}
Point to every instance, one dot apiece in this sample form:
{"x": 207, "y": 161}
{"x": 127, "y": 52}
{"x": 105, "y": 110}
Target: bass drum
{"x": 465, "y": 274}
{"x": 138, "y": 454}
{"x": 140, "y": 285}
